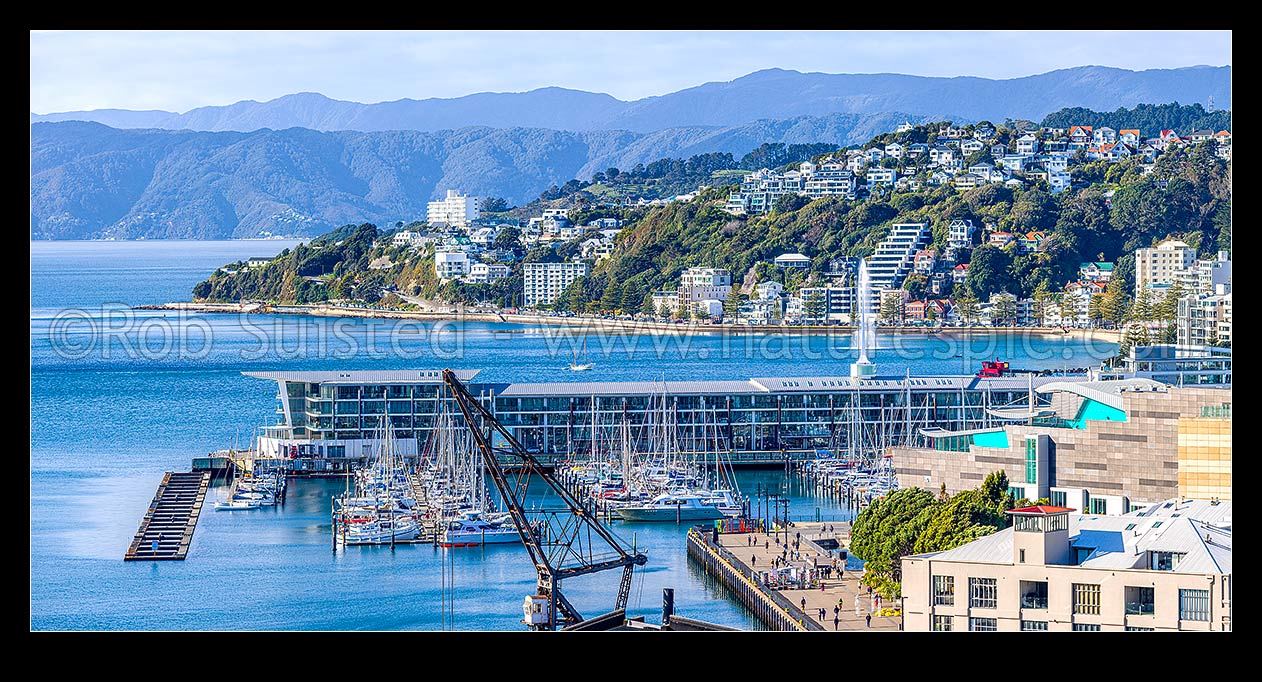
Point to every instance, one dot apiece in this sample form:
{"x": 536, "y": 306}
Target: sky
{"x": 181, "y": 70}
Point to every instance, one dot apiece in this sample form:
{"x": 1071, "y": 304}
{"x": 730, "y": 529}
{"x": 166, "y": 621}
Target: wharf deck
{"x": 747, "y": 552}
{"x": 167, "y": 528}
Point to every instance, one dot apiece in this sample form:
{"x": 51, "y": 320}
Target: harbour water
{"x": 119, "y": 397}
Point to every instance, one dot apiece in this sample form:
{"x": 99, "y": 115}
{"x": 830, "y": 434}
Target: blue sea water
{"x": 119, "y": 396}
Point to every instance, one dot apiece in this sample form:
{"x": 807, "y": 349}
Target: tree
{"x": 814, "y": 307}
{"x": 494, "y": 205}
{"x": 612, "y": 297}
{"x": 966, "y": 303}
{"x": 1095, "y": 308}
{"x": 891, "y": 309}
{"x": 732, "y": 305}
{"x": 508, "y": 238}
{"x": 989, "y": 270}
{"x": 681, "y": 313}
{"x": 1039, "y": 304}
{"x": 1116, "y": 302}
{"x": 647, "y": 307}
{"x": 1004, "y": 309}
{"x": 1068, "y": 309}
{"x": 665, "y": 311}
{"x": 969, "y": 515}
{"x": 632, "y": 296}
{"x": 787, "y": 203}
{"x": 887, "y": 530}
{"x": 1168, "y": 309}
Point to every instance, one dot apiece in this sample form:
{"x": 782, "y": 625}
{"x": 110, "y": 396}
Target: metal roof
{"x": 620, "y": 388}
{"x": 1105, "y": 392}
{"x": 354, "y": 376}
{"x": 1124, "y": 542}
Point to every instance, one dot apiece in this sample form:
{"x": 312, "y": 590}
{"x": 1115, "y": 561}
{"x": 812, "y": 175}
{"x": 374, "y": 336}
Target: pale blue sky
{"x": 180, "y": 70}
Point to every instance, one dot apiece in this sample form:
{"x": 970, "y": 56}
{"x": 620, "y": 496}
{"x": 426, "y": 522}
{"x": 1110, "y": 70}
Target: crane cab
{"x": 537, "y": 609}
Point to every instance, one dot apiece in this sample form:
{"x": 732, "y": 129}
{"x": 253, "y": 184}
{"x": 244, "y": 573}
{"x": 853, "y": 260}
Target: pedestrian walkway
{"x": 856, "y": 604}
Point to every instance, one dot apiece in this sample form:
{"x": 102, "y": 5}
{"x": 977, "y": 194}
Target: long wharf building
{"x": 326, "y": 419}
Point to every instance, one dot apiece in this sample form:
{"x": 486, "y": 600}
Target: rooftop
{"x": 1124, "y": 542}
{"x": 1040, "y": 509}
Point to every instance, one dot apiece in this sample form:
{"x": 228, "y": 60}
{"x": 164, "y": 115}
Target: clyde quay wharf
{"x": 741, "y": 561}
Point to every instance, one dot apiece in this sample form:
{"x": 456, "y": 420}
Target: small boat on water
{"x": 472, "y": 529}
{"x": 577, "y": 366}
{"x": 382, "y": 530}
{"x": 235, "y": 505}
{"x": 671, "y": 507}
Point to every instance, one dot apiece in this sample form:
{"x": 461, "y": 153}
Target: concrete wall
{"x": 1205, "y": 458}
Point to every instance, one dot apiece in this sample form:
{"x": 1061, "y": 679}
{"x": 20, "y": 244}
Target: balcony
{"x": 1139, "y": 608}
{"x": 1033, "y": 602}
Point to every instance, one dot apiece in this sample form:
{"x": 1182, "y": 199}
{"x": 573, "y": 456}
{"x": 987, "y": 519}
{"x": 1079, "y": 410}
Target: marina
{"x": 277, "y": 559}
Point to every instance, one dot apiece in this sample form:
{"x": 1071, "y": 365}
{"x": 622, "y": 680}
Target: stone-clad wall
{"x": 1138, "y": 458}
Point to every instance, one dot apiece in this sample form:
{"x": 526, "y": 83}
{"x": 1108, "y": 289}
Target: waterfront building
{"x": 834, "y": 304}
{"x": 1180, "y": 365}
{"x": 1167, "y": 568}
{"x": 705, "y": 277}
{"x": 487, "y": 272}
{"x": 1204, "y": 319}
{"x": 543, "y": 282}
{"x": 326, "y": 419}
{"x": 1095, "y": 271}
{"x": 1162, "y": 264}
{"x": 895, "y": 256}
{"x": 1097, "y": 446}
{"x": 455, "y": 209}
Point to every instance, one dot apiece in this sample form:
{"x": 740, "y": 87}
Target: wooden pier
{"x": 167, "y": 529}
{"x": 782, "y": 609}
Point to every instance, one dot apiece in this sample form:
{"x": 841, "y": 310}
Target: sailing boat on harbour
{"x": 576, "y": 366}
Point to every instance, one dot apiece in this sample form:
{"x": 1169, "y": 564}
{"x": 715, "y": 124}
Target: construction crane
{"x": 566, "y": 545}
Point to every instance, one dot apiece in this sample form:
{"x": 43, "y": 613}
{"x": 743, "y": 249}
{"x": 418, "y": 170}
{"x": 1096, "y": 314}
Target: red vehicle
{"x": 994, "y": 368}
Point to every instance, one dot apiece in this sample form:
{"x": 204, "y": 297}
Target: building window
{"x": 1031, "y": 460}
{"x": 1139, "y": 601}
{"x": 1194, "y": 605}
{"x": 983, "y": 624}
{"x": 1132, "y": 628}
{"x": 1087, "y": 599}
{"x": 1034, "y": 626}
{"x": 1098, "y": 505}
{"x": 1165, "y": 561}
{"x": 1033, "y": 594}
{"x": 1086, "y": 627}
{"x": 944, "y": 590}
{"x": 983, "y": 593}
{"x": 942, "y": 623}
{"x": 1059, "y": 499}
{"x": 1081, "y": 554}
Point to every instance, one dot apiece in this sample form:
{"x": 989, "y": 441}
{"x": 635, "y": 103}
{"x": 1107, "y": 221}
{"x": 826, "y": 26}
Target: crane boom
{"x": 569, "y": 538}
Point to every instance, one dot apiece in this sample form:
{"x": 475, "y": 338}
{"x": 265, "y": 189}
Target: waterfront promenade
{"x": 749, "y": 552}
{"x": 591, "y": 324}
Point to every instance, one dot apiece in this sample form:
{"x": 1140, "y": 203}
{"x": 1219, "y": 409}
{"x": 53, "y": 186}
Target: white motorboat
{"x": 235, "y": 505}
{"x": 472, "y": 529}
{"x": 382, "y": 531}
{"x": 671, "y": 507}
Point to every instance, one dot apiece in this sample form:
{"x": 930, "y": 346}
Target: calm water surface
{"x": 138, "y": 394}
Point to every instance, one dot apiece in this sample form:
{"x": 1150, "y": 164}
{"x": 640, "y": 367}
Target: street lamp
{"x": 784, "y": 519}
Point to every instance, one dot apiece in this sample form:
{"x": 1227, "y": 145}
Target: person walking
{"x": 837, "y": 609}
{"x": 803, "y": 603}
{"x": 753, "y": 559}
{"x": 766, "y": 544}
{"x": 836, "y": 621}
{"x": 868, "y": 618}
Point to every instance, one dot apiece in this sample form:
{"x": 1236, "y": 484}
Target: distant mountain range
{"x": 92, "y": 181}
{"x": 769, "y": 94}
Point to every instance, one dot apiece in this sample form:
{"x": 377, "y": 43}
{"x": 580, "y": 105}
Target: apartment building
{"x": 451, "y": 264}
{"x": 543, "y": 282}
{"x": 1204, "y": 320}
{"x": 455, "y": 209}
{"x": 895, "y": 256}
{"x": 1166, "y": 568}
{"x": 1162, "y": 264}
